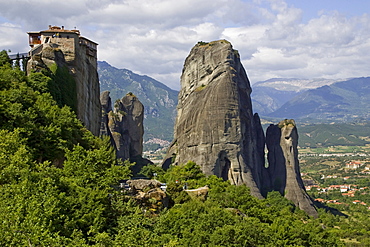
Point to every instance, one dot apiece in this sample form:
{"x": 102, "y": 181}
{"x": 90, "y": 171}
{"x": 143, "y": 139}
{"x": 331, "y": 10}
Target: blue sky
{"x": 275, "y": 38}
{"x": 312, "y": 8}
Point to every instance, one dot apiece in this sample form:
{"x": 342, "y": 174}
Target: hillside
{"x": 159, "y": 100}
{"x": 340, "y": 134}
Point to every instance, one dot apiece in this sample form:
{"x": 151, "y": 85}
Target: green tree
{"x": 187, "y": 172}
{"x": 4, "y": 58}
{"x": 57, "y": 180}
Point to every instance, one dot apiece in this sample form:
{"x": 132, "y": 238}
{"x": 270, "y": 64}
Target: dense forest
{"x": 59, "y": 187}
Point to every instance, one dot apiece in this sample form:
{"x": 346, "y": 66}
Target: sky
{"x": 275, "y": 38}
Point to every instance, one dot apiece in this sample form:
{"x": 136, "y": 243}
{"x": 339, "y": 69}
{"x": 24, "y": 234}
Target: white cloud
{"x": 10, "y": 38}
{"x": 153, "y": 37}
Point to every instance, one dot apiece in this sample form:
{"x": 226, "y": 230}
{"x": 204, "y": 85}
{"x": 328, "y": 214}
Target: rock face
{"x": 106, "y": 106}
{"x": 123, "y": 124}
{"x": 199, "y": 193}
{"x": 283, "y": 169}
{"x": 87, "y": 81}
{"x": 148, "y": 194}
{"x": 83, "y": 69}
{"x": 215, "y": 126}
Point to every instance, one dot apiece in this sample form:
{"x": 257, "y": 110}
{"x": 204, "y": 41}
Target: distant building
{"x": 354, "y": 164}
{"x": 349, "y": 194}
{"x": 68, "y": 40}
{"x": 320, "y": 200}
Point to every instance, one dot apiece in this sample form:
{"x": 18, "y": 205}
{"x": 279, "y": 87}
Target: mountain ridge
{"x": 340, "y": 101}
{"x": 269, "y": 95}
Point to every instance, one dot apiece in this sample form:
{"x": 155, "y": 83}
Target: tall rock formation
{"x": 283, "y": 169}
{"x": 73, "y": 61}
{"x": 215, "y": 126}
{"x": 123, "y": 124}
{"x": 159, "y": 100}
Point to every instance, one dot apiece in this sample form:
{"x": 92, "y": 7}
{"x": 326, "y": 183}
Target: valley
{"x": 337, "y": 178}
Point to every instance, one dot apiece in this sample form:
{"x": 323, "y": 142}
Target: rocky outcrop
{"x": 79, "y": 82}
{"x": 123, "y": 124}
{"x": 148, "y": 194}
{"x": 199, "y": 193}
{"x": 283, "y": 169}
{"x": 143, "y": 184}
{"x": 215, "y": 126}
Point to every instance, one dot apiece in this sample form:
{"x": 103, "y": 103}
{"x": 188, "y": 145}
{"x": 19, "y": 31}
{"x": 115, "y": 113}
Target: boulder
{"x": 148, "y": 194}
{"x": 199, "y": 193}
{"x": 143, "y": 184}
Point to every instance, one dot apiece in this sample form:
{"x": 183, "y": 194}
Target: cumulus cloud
{"x": 330, "y": 46}
{"x": 153, "y": 37}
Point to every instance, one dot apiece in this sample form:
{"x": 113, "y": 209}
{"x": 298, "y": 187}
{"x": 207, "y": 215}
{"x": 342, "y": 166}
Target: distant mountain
{"x": 270, "y": 95}
{"x": 340, "y": 101}
{"x": 266, "y": 99}
{"x": 294, "y": 84}
{"x": 317, "y": 100}
{"x": 159, "y": 100}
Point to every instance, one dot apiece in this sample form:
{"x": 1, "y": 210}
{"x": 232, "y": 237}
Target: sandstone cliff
{"x": 283, "y": 169}
{"x": 82, "y": 94}
{"x": 123, "y": 124}
{"x": 215, "y": 126}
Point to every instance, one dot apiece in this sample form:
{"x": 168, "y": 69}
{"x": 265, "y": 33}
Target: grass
{"x": 200, "y": 88}
{"x": 202, "y": 43}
